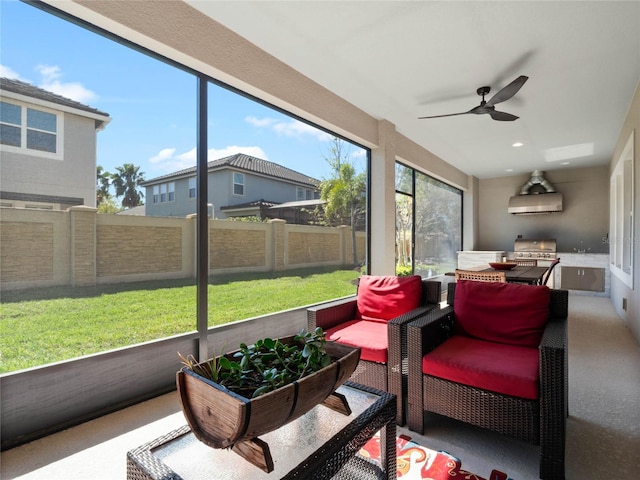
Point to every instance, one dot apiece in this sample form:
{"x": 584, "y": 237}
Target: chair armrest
{"x": 554, "y": 362}
{"x": 554, "y": 386}
{"x": 555, "y": 334}
{"x": 431, "y": 291}
{"x": 397, "y": 332}
{"x": 397, "y": 368}
{"x": 430, "y": 301}
{"x": 434, "y": 321}
{"x": 423, "y": 334}
{"x": 559, "y": 306}
{"x": 553, "y": 348}
{"x": 330, "y": 314}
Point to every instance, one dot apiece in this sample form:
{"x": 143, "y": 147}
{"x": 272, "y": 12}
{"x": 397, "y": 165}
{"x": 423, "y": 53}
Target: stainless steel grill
{"x": 539, "y": 249}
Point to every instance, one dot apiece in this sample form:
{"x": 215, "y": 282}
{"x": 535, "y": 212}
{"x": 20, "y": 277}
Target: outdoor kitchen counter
{"x": 475, "y": 258}
{"x": 572, "y": 260}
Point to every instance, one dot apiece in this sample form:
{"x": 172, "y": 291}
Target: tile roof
{"x": 240, "y": 161}
{"x": 28, "y": 90}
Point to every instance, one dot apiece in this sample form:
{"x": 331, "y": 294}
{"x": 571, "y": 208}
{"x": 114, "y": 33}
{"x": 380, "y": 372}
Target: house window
{"x": 304, "y": 194}
{"x": 621, "y": 241}
{"x": 29, "y": 129}
{"x": 192, "y": 187}
{"x": 428, "y": 223}
{"x": 165, "y": 192}
{"x": 238, "y": 183}
{"x": 10, "y": 124}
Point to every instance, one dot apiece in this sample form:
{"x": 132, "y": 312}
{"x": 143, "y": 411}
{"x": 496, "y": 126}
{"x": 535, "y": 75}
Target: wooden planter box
{"x": 221, "y": 418}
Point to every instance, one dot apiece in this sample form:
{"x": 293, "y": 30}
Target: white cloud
{"x": 164, "y": 154}
{"x": 7, "y": 72}
{"x": 49, "y": 72}
{"x": 292, "y": 128}
{"x": 189, "y": 158}
{"x": 166, "y": 160}
{"x": 73, "y": 90}
{"x": 260, "y": 122}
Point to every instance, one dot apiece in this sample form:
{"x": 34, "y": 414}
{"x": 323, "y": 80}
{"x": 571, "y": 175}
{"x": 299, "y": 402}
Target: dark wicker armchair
{"x": 387, "y": 370}
{"x": 485, "y": 395}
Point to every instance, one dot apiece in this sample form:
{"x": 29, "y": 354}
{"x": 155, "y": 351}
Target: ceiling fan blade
{"x": 502, "y": 116}
{"x": 447, "y": 115}
{"x": 509, "y": 91}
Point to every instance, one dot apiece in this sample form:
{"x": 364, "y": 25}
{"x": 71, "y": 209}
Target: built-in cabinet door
{"x": 583, "y": 278}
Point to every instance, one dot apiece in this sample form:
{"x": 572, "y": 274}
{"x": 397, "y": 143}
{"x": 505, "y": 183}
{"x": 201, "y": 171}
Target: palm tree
{"x": 103, "y": 184}
{"x": 344, "y": 194}
{"x": 127, "y": 181}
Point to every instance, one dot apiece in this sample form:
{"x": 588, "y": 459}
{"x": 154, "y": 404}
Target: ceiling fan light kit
{"x": 488, "y": 107}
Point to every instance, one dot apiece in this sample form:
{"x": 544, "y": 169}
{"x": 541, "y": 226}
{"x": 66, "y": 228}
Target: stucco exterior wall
{"x": 71, "y": 176}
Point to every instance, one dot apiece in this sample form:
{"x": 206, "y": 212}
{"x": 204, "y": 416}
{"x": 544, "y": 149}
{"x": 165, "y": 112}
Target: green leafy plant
{"x": 404, "y": 270}
{"x": 265, "y": 365}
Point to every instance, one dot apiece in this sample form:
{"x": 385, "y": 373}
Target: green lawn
{"x": 41, "y": 326}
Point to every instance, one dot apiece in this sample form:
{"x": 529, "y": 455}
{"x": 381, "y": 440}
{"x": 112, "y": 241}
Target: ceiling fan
{"x": 488, "y": 107}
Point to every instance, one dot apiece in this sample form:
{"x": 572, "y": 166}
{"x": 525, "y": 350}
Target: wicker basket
{"x": 222, "y": 419}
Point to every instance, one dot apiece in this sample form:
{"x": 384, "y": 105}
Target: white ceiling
{"x": 398, "y": 60}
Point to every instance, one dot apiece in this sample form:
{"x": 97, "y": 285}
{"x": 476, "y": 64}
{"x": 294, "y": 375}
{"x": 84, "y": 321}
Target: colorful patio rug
{"x": 418, "y": 462}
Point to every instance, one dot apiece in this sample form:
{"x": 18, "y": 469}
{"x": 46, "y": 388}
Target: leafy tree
{"x": 404, "y": 226}
{"x": 344, "y": 193}
{"x": 404, "y": 216}
{"x": 127, "y": 181}
{"x": 108, "y": 205}
{"x": 438, "y": 215}
{"x": 103, "y": 184}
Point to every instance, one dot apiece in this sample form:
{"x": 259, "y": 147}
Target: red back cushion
{"x": 506, "y": 313}
{"x": 381, "y": 298}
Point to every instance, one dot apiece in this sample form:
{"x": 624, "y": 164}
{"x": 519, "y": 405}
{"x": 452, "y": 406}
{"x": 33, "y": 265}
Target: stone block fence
{"x": 79, "y": 247}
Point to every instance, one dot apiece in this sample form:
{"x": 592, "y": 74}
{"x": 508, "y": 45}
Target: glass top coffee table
{"x": 321, "y": 444}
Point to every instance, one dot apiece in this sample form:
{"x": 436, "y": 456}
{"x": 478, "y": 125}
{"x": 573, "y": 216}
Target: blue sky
{"x": 152, "y": 105}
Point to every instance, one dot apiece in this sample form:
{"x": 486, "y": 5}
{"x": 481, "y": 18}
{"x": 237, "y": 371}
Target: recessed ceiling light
{"x": 509, "y": 170}
{"x": 517, "y": 144}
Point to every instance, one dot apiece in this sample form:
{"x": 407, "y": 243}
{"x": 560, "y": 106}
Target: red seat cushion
{"x": 371, "y": 337}
{"x": 501, "y": 312}
{"x": 507, "y": 369}
{"x": 382, "y": 298}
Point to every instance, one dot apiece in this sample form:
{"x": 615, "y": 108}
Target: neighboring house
{"x": 48, "y": 145}
{"x": 136, "y": 211}
{"x": 239, "y": 186}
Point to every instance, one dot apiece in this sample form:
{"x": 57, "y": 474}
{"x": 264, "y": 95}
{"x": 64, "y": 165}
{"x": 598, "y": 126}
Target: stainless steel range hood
{"x": 535, "y": 203}
{"x": 528, "y": 203}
